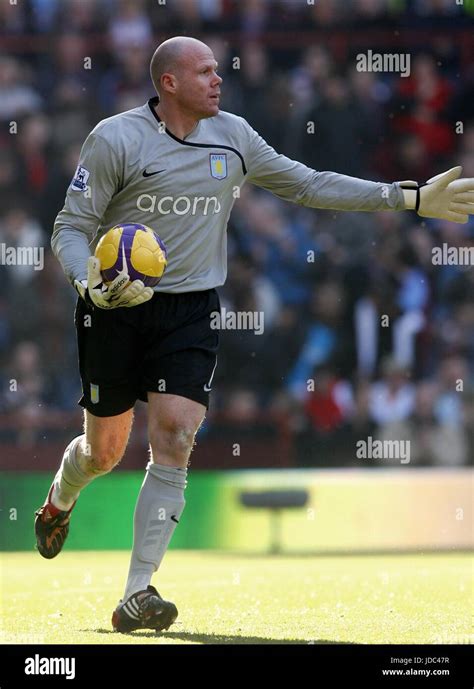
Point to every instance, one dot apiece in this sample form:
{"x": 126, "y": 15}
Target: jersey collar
{"x": 152, "y": 103}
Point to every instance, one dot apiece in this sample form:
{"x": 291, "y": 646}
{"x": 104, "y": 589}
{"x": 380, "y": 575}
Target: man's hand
{"x": 445, "y": 196}
{"x": 120, "y": 292}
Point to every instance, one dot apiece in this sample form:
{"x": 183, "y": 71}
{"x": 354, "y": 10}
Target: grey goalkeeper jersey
{"x": 133, "y": 170}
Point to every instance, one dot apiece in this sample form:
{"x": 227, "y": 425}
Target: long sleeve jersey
{"x": 134, "y": 170}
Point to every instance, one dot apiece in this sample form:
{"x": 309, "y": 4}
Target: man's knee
{"x": 105, "y": 440}
{"x": 173, "y": 437}
{"x": 102, "y": 457}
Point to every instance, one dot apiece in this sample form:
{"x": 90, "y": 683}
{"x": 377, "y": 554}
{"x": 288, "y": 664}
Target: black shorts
{"x": 165, "y": 345}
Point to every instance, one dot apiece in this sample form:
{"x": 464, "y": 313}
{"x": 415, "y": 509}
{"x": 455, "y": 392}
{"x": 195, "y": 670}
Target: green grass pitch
{"x": 235, "y": 599}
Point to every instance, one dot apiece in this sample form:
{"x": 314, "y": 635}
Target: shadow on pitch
{"x": 217, "y": 638}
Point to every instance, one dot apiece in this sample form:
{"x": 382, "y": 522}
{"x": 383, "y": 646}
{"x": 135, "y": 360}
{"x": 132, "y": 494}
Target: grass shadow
{"x": 217, "y": 638}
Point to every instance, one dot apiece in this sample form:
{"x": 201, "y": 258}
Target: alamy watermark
{"x": 39, "y": 665}
{"x": 452, "y": 255}
{"x": 226, "y": 319}
{"x": 22, "y": 256}
{"x": 383, "y": 449}
{"x": 384, "y": 62}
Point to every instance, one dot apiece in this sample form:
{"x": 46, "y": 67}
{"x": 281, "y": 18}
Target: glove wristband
{"x": 409, "y": 187}
{"x": 418, "y": 197}
{"x": 85, "y": 296}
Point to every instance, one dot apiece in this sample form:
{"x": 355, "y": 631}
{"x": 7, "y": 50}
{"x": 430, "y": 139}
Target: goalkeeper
{"x": 176, "y": 164}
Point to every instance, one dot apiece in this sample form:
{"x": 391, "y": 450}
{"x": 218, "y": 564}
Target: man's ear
{"x": 168, "y": 83}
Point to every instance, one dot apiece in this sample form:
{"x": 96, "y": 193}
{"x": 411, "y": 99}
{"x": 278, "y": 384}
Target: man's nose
{"x": 218, "y": 79}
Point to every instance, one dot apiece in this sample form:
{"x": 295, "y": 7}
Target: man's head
{"x": 183, "y": 71}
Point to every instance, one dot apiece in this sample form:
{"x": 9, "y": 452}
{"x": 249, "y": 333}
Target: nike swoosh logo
{"x": 174, "y": 519}
{"x": 150, "y": 174}
{"x": 207, "y": 386}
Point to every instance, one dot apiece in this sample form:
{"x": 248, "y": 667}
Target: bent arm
{"x": 71, "y": 248}
{"x": 94, "y": 184}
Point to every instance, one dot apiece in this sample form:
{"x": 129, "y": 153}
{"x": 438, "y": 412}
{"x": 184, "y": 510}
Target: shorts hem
{"x": 200, "y": 397}
{"x": 96, "y": 410}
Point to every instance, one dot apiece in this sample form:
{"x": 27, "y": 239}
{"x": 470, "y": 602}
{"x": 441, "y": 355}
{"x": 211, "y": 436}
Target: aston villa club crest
{"x": 218, "y": 164}
{"x": 94, "y": 393}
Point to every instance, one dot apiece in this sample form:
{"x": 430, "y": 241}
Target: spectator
{"x": 322, "y": 317}
{"x": 17, "y": 97}
{"x": 392, "y": 398}
{"x": 324, "y": 335}
{"x": 130, "y": 27}
{"x": 342, "y": 132}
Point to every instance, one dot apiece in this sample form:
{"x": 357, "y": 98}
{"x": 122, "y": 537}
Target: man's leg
{"x": 96, "y": 452}
{"x": 183, "y": 354}
{"x": 172, "y": 424}
{"x": 88, "y": 456}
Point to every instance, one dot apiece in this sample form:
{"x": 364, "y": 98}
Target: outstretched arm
{"x": 444, "y": 196}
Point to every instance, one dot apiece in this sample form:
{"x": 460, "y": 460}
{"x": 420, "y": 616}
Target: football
{"x": 135, "y": 247}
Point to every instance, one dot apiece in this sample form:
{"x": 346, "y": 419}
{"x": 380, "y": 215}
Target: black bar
{"x": 163, "y": 664}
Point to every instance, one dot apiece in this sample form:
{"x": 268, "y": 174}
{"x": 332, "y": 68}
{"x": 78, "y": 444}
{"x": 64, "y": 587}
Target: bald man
{"x": 175, "y": 164}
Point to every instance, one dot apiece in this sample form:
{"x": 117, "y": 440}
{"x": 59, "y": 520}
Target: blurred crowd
{"x": 363, "y": 333}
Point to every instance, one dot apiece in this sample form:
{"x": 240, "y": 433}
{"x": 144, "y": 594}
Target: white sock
{"x": 71, "y": 476}
{"x": 158, "y": 510}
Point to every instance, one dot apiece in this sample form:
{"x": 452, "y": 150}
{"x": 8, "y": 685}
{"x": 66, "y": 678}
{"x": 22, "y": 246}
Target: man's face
{"x": 197, "y": 84}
